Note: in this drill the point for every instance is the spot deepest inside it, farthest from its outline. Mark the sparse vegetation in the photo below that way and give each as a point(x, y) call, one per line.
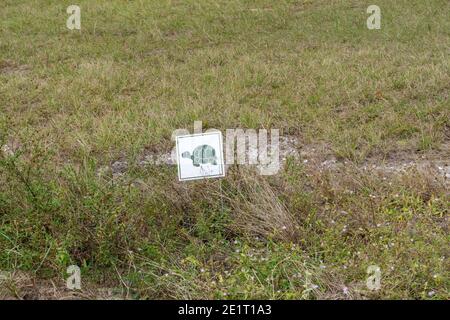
point(75, 102)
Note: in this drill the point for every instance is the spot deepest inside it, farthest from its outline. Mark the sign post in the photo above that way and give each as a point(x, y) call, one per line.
point(200, 156)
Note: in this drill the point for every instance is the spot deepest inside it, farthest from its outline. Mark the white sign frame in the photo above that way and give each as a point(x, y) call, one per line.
point(198, 137)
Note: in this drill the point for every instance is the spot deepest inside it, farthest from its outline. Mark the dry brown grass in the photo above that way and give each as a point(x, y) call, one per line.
point(256, 207)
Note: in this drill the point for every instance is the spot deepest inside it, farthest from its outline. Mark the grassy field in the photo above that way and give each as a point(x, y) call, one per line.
point(73, 102)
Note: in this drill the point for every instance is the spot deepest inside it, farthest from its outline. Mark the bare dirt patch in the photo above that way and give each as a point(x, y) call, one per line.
point(9, 67)
point(321, 157)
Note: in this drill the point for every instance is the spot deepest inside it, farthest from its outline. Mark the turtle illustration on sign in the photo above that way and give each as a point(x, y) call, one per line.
point(201, 155)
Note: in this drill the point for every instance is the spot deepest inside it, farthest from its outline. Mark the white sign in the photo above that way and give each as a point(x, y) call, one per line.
point(200, 156)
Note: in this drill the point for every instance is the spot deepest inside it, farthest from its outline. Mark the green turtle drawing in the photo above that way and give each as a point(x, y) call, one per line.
point(201, 155)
